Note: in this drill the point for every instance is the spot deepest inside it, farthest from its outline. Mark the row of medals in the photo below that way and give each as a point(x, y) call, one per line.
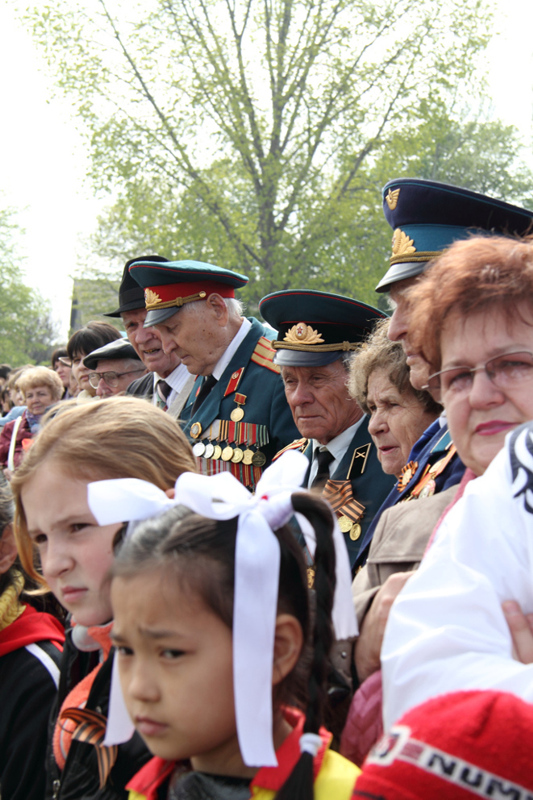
point(234, 454)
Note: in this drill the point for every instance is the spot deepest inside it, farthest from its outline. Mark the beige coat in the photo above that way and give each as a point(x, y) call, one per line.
point(399, 542)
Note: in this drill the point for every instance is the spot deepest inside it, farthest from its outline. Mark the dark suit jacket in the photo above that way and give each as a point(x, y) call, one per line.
point(142, 387)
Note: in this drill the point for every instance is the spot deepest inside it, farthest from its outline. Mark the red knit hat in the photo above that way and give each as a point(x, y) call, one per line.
point(461, 745)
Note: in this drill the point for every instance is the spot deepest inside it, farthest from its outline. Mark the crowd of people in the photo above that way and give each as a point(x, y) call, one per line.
point(283, 559)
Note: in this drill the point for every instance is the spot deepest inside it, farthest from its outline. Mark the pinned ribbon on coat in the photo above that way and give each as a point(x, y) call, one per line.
point(90, 728)
point(257, 559)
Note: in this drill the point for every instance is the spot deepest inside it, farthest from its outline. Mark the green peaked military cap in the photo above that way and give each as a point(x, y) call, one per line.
point(428, 216)
point(168, 287)
point(315, 328)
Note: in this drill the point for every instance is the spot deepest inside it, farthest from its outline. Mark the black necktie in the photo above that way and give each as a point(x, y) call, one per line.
point(163, 390)
point(205, 388)
point(323, 459)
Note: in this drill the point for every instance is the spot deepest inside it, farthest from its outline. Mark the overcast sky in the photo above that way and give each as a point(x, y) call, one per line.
point(42, 158)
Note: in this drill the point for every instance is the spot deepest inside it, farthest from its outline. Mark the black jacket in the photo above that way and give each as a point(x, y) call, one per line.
point(79, 779)
point(27, 692)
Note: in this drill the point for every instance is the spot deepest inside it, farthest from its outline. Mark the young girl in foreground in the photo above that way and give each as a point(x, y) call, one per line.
point(184, 677)
point(121, 437)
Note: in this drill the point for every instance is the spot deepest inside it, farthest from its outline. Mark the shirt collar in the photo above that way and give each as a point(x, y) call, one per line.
point(338, 446)
point(232, 348)
point(177, 378)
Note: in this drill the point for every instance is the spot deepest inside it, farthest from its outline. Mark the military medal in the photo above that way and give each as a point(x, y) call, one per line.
point(247, 457)
point(427, 486)
point(237, 455)
point(259, 459)
point(196, 430)
point(238, 413)
point(428, 489)
point(345, 523)
point(198, 449)
point(227, 453)
point(209, 450)
point(217, 452)
point(355, 532)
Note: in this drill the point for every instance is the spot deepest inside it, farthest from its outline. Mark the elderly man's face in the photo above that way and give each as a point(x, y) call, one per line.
point(127, 370)
point(399, 332)
point(319, 400)
point(147, 343)
point(198, 336)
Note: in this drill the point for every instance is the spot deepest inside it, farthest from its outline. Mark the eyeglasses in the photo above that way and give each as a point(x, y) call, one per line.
point(505, 372)
point(111, 378)
point(65, 361)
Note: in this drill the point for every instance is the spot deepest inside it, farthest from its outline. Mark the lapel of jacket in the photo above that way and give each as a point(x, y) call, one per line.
point(181, 399)
point(355, 459)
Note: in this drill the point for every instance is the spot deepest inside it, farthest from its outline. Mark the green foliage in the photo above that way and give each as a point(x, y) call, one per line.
point(27, 332)
point(257, 135)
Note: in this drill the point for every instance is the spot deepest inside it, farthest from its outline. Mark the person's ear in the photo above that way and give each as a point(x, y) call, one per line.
point(218, 306)
point(8, 549)
point(288, 644)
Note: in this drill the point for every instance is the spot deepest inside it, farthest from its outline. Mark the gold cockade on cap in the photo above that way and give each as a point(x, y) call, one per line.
point(151, 298)
point(301, 333)
point(392, 198)
point(401, 243)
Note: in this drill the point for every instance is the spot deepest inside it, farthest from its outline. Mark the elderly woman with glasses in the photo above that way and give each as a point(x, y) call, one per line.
point(473, 317)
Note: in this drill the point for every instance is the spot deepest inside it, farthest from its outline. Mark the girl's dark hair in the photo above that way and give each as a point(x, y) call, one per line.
point(200, 554)
point(94, 335)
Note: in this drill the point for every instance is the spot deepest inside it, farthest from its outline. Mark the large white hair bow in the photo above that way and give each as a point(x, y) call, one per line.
point(257, 559)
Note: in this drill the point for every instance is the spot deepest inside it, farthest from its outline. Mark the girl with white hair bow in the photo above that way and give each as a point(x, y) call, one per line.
point(212, 621)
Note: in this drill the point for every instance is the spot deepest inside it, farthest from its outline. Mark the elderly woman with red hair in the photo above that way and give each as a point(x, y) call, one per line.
point(473, 318)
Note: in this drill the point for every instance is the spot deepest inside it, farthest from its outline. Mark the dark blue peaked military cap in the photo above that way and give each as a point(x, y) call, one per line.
point(130, 294)
point(315, 328)
point(427, 217)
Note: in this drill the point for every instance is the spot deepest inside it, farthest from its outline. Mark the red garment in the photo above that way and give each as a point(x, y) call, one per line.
point(32, 626)
point(153, 776)
point(24, 433)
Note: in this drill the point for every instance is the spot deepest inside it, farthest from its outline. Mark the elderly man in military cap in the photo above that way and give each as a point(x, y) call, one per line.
point(317, 332)
point(236, 417)
point(113, 367)
point(426, 217)
point(168, 383)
